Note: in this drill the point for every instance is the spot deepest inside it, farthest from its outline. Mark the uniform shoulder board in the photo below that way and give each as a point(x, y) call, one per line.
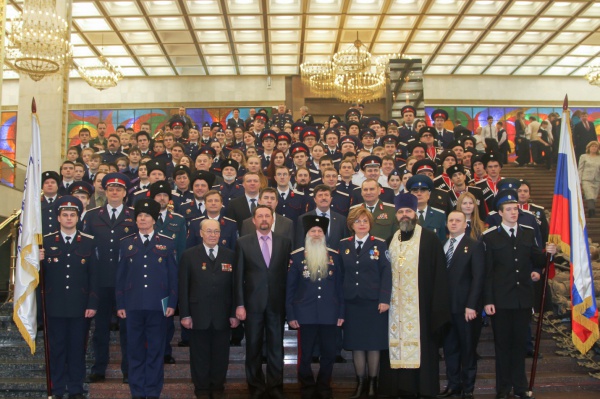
point(198, 218)
point(332, 250)
point(176, 214)
point(93, 209)
point(176, 194)
point(226, 218)
point(342, 193)
point(346, 239)
point(101, 152)
point(296, 251)
point(49, 234)
point(492, 213)
point(539, 207)
point(437, 210)
point(86, 235)
point(140, 191)
point(438, 178)
point(440, 189)
point(388, 204)
point(450, 131)
point(525, 226)
point(354, 206)
point(379, 239)
point(526, 211)
point(475, 188)
point(130, 235)
point(298, 192)
point(357, 188)
point(132, 208)
point(162, 235)
point(493, 228)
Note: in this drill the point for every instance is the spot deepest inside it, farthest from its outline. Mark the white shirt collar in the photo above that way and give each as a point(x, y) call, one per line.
point(507, 228)
point(363, 240)
point(150, 235)
point(215, 249)
point(458, 238)
point(62, 233)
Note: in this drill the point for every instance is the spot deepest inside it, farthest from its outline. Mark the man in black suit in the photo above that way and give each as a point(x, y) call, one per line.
point(206, 308)
point(465, 261)
point(337, 223)
point(236, 121)
point(583, 133)
point(262, 260)
point(241, 208)
point(281, 225)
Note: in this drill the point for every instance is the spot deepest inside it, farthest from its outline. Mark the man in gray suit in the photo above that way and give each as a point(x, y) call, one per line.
point(281, 225)
point(337, 223)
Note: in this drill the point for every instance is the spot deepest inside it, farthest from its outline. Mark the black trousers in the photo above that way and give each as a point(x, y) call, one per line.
point(66, 340)
point(460, 344)
point(511, 330)
point(523, 151)
point(101, 337)
point(209, 358)
point(324, 337)
point(257, 325)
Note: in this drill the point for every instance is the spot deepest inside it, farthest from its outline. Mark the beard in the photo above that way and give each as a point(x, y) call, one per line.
point(315, 254)
point(407, 225)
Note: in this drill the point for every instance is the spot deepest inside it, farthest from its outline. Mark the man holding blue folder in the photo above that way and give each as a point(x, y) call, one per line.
point(146, 296)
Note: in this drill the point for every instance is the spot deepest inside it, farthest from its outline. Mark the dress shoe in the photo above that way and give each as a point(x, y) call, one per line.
point(315, 359)
point(524, 395)
point(183, 344)
point(372, 392)
point(450, 393)
point(125, 378)
point(340, 359)
point(235, 342)
point(92, 378)
point(467, 395)
point(360, 387)
point(169, 359)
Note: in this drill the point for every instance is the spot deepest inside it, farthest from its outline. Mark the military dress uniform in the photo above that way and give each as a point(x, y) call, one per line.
point(190, 210)
point(229, 191)
point(386, 194)
point(98, 223)
point(293, 204)
point(539, 214)
point(70, 279)
point(227, 238)
point(384, 215)
point(147, 274)
point(435, 220)
point(49, 222)
point(489, 190)
point(316, 306)
point(340, 202)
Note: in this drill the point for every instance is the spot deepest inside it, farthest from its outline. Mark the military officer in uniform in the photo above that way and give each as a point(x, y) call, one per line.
point(70, 276)
point(230, 188)
point(439, 198)
point(384, 224)
point(513, 261)
point(181, 181)
point(371, 167)
point(305, 117)
point(315, 304)
point(50, 180)
point(291, 203)
point(459, 186)
point(214, 208)
point(109, 223)
point(428, 217)
point(407, 132)
point(538, 212)
point(201, 183)
point(146, 294)
point(445, 137)
point(493, 166)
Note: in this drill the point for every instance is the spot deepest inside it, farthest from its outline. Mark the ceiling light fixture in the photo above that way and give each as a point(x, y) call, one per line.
point(593, 75)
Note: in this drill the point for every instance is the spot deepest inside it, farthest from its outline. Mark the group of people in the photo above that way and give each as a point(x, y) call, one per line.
point(367, 235)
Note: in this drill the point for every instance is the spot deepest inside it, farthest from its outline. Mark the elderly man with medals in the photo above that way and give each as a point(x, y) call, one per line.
point(419, 307)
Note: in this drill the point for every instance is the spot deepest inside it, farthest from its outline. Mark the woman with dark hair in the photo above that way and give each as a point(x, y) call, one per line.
point(277, 159)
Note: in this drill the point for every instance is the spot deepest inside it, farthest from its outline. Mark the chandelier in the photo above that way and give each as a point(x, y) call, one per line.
point(38, 40)
point(593, 75)
point(101, 77)
point(352, 75)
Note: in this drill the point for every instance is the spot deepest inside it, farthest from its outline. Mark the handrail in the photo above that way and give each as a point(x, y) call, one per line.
point(12, 222)
point(13, 160)
point(10, 219)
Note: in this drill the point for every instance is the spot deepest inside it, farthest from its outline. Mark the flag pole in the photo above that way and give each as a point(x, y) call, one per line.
point(39, 242)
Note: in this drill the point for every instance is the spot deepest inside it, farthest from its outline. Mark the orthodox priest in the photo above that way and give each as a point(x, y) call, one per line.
point(419, 309)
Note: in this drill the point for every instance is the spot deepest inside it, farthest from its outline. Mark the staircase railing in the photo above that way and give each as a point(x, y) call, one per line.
point(9, 230)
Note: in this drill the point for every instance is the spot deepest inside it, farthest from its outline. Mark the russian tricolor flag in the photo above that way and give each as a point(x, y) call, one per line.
point(568, 230)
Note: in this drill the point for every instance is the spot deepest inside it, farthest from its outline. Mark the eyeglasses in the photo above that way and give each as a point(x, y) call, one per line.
point(361, 221)
point(212, 232)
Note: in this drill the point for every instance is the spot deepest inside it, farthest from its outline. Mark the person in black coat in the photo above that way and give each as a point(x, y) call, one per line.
point(260, 275)
point(465, 261)
point(513, 261)
point(240, 209)
point(583, 133)
point(206, 308)
point(69, 264)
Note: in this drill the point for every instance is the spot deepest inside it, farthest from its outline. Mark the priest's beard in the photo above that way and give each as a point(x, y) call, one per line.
point(301, 187)
point(315, 254)
point(407, 224)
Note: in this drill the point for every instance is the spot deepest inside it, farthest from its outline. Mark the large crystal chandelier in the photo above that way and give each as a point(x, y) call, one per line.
point(102, 76)
point(593, 75)
point(38, 40)
point(352, 75)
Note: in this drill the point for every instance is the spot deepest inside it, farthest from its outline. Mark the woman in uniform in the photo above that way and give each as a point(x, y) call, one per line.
point(367, 289)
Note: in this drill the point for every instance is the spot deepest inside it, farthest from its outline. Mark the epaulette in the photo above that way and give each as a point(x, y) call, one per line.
point(492, 213)
point(86, 235)
point(332, 250)
point(101, 152)
point(437, 178)
point(354, 206)
point(357, 188)
point(132, 208)
point(493, 228)
point(49, 234)
point(130, 235)
point(231, 220)
point(438, 210)
point(312, 181)
point(140, 191)
point(527, 227)
point(175, 193)
point(440, 189)
point(346, 239)
point(536, 205)
point(176, 214)
point(162, 235)
point(93, 209)
point(343, 193)
point(296, 251)
point(380, 239)
point(388, 204)
point(526, 211)
point(297, 192)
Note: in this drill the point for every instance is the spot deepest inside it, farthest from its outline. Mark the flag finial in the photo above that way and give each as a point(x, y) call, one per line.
point(566, 102)
point(33, 106)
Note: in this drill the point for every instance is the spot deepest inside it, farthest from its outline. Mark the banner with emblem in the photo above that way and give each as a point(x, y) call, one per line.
point(568, 230)
point(30, 236)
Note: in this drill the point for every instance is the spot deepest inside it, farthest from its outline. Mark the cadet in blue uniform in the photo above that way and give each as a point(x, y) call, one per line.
point(182, 192)
point(109, 223)
point(513, 261)
point(146, 295)
point(230, 188)
point(201, 183)
point(430, 218)
point(367, 288)
point(171, 225)
point(315, 304)
point(50, 180)
point(70, 263)
point(83, 191)
point(214, 209)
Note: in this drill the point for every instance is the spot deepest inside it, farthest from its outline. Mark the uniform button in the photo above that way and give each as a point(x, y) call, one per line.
point(145, 256)
point(111, 240)
point(68, 254)
point(67, 276)
point(111, 250)
point(356, 272)
point(110, 260)
point(68, 266)
point(112, 231)
point(319, 287)
point(357, 262)
point(49, 225)
point(145, 266)
point(67, 287)
point(518, 283)
point(145, 276)
point(516, 260)
point(517, 271)
point(515, 247)
point(319, 279)
point(50, 210)
point(319, 297)
point(145, 286)
point(356, 283)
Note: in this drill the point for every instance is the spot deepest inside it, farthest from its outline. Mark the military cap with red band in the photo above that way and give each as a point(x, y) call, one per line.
point(284, 136)
point(298, 147)
point(268, 134)
point(408, 108)
point(439, 113)
point(309, 131)
point(261, 116)
point(68, 202)
point(115, 178)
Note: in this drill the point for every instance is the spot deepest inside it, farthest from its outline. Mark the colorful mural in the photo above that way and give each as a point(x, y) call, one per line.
point(8, 137)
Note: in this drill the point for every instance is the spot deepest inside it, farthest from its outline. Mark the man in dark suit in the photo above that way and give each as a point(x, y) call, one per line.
point(465, 264)
point(428, 217)
point(262, 260)
point(236, 121)
point(206, 308)
point(113, 149)
point(281, 225)
point(337, 223)
point(583, 133)
point(241, 208)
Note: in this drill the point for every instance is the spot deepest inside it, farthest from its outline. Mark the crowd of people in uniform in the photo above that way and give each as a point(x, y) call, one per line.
point(388, 239)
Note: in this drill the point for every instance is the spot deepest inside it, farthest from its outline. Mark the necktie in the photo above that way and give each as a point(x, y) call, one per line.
point(268, 158)
point(113, 218)
point(160, 219)
point(92, 177)
point(371, 208)
point(421, 217)
point(359, 247)
point(147, 241)
point(68, 239)
point(67, 185)
point(200, 207)
point(211, 254)
point(324, 214)
point(253, 205)
point(512, 233)
point(450, 252)
point(283, 196)
point(50, 200)
point(264, 247)
point(144, 187)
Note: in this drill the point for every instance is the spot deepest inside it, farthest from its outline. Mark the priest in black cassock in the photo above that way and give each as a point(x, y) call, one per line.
point(419, 309)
